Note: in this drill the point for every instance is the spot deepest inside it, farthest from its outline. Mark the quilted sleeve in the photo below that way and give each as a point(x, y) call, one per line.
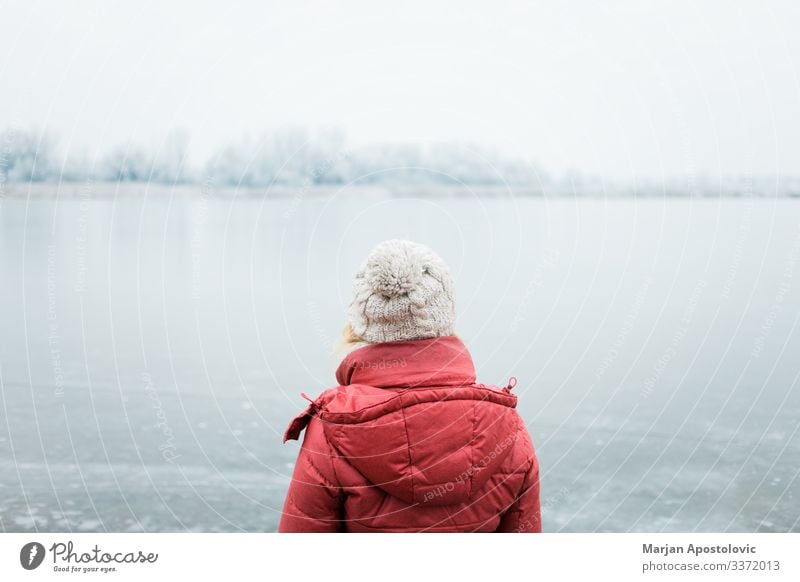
point(524, 515)
point(314, 501)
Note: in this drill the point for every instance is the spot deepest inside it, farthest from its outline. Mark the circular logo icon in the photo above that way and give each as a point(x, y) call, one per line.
point(31, 555)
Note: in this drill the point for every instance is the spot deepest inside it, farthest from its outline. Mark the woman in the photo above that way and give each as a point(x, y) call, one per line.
point(408, 442)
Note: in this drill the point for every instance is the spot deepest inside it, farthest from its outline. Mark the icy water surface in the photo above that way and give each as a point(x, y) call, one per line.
point(153, 350)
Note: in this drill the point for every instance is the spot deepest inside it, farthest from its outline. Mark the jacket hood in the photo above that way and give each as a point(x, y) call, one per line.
point(410, 418)
point(442, 361)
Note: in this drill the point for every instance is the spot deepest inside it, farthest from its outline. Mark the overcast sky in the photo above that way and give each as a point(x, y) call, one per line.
point(627, 92)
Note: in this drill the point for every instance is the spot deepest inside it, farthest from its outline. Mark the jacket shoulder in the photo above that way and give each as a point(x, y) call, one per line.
point(523, 454)
point(300, 422)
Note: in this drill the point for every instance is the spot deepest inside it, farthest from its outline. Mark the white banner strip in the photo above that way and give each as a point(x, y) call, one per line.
point(353, 557)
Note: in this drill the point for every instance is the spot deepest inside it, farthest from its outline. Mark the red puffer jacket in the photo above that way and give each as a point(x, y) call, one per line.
point(408, 442)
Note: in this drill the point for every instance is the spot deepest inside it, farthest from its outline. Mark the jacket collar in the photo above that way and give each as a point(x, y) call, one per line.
point(441, 361)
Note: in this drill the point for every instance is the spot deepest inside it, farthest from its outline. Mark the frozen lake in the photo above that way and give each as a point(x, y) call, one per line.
point(153, 350)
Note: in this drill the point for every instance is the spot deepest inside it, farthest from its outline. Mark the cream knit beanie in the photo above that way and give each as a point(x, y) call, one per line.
point(403, 291)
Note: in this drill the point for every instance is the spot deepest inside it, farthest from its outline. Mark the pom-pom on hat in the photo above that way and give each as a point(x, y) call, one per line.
point(403, 291)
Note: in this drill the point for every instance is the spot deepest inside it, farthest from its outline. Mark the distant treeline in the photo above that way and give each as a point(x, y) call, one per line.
point(298, 158)
point(287, 157)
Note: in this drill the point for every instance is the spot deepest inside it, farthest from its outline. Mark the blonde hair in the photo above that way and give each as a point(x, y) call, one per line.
point(349, 339)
